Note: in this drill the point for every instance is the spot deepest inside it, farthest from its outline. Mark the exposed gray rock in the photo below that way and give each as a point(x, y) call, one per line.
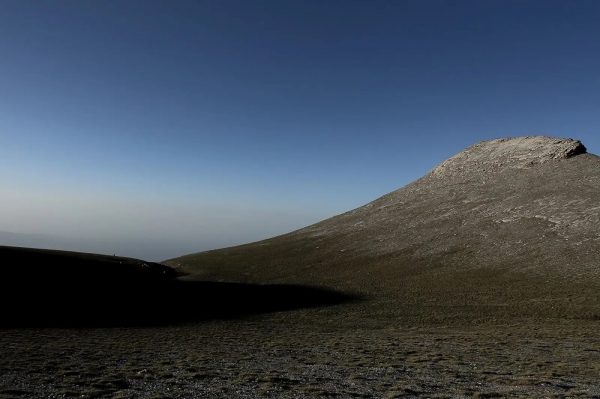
point(517, 153)
point(500, 200)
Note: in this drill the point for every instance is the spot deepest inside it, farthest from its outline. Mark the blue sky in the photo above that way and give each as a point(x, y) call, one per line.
point(156, 128)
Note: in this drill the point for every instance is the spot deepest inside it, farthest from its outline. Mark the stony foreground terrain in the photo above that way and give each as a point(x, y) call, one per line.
point(304, 354)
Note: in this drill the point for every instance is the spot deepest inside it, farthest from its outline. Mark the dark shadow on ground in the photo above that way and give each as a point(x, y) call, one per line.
point(40, 288)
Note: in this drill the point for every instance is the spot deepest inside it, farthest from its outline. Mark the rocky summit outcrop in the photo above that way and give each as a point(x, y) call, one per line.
point(505, 222)
point(516, 153)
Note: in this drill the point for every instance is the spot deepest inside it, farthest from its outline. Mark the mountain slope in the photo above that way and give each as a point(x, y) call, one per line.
point(507, 227)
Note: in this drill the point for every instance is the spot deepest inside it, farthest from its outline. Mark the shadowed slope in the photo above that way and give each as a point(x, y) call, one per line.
point(507, 227)
point(56, 288)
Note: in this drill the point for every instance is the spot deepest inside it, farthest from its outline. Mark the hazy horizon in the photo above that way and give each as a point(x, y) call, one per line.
point(153, 129)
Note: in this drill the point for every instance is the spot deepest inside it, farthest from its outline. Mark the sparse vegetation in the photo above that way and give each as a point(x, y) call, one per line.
point(305, 353)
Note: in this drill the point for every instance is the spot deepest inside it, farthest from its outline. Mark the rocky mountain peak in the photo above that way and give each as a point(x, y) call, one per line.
point(515, 153)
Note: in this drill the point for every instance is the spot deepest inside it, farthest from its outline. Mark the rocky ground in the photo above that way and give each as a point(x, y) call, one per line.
point(304, 354)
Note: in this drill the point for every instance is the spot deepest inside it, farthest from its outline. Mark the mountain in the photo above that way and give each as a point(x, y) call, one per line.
point(505, 228)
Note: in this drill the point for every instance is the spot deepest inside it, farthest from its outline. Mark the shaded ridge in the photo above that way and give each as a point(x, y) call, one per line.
point(44, 288)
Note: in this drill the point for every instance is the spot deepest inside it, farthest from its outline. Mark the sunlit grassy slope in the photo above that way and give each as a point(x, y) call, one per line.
point(507, 228)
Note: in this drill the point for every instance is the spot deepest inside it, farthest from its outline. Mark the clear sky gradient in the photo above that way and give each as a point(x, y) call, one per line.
point(157, 128)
